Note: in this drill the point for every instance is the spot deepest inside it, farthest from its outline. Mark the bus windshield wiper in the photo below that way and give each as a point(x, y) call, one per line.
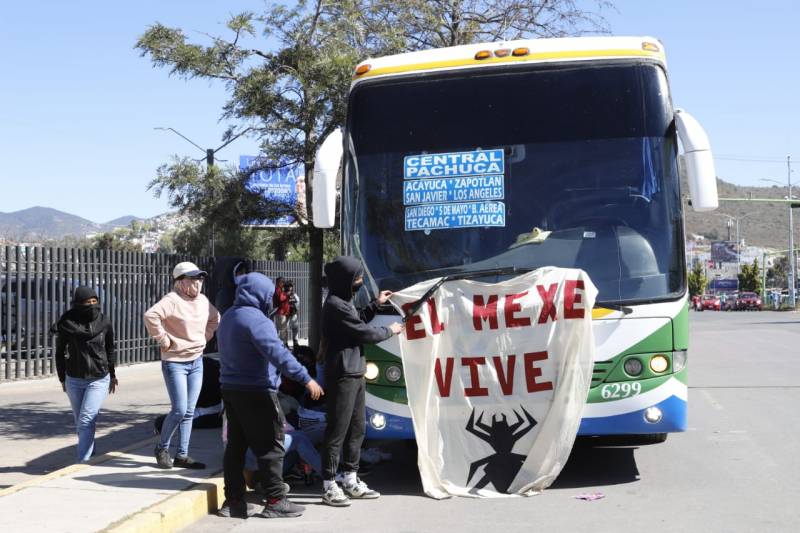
point(501, 271)
point(614, 307)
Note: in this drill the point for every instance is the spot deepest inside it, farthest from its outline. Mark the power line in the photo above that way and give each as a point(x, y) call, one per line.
point(750, 159)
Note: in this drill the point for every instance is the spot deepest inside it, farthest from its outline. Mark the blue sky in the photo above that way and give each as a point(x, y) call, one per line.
point(78, 104)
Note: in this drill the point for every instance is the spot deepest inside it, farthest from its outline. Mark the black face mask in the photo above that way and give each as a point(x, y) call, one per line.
point(87, 313)
point(357, 286)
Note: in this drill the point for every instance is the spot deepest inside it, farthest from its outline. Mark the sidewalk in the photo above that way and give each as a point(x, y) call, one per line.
point(42, 490)
point(37, 433)
point(119, 494)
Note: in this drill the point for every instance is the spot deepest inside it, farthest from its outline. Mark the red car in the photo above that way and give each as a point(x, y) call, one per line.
point(709, 302)
point(747, 301)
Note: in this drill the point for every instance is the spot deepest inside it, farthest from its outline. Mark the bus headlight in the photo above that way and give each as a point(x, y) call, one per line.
point(633, 367)
point(372, 371)
point(659, 363)
point(653, 415)
point(377, 420)
point(679, 360)
point(393, 373)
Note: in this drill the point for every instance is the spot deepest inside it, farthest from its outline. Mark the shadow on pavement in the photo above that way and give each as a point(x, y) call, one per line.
point(598, 462)
point(593, 462)
point(168, 480)
point(22, 422)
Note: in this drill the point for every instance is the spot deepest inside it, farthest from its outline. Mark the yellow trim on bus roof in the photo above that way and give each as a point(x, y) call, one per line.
point(536, 56)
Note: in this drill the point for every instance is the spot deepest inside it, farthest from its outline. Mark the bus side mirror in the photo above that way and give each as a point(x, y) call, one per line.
point(326, 168)
point(699, 162)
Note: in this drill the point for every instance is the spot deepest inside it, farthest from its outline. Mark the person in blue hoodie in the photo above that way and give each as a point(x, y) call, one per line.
point(252, 360)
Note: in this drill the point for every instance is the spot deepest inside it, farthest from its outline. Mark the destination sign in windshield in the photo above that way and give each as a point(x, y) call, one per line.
point(454, 190)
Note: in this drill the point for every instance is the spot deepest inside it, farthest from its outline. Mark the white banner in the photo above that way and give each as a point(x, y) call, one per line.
point(497, 378)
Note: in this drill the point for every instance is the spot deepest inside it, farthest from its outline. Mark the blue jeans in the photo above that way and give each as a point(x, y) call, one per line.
point(184, 381)
point(86, 396)
point(294, 441)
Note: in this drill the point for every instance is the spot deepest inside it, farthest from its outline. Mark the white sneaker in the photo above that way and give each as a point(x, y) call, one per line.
point(335, 497)
point(360, 491)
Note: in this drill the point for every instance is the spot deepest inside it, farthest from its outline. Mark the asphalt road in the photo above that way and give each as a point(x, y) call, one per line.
point(735, 469)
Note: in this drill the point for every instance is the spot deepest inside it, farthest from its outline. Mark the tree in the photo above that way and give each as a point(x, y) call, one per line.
point(778, 273)
point(423, 24)
point(294, 93)
point(750, 277)
point(697, 280)
point(115, 241)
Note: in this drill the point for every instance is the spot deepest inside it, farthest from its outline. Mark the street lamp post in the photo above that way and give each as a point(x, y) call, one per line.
point(792, 264)
point(209, 159)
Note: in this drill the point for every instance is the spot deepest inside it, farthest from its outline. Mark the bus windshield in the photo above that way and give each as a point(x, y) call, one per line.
point(588, 179)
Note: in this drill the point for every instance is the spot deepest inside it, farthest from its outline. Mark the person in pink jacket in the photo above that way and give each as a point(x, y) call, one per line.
point(181, 323)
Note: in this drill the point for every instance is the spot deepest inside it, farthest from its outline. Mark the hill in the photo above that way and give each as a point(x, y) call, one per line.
point(38, 223)
point(43, 223)
point(760, 224)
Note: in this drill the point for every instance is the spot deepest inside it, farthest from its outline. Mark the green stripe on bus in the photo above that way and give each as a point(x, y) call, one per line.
point(390, 394)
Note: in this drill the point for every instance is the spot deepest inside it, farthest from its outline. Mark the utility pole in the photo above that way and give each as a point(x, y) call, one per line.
point(210, 152)
point(792, 269)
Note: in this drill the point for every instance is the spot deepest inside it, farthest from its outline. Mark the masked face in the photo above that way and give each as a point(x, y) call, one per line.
point(88, 312)
point(189, 287)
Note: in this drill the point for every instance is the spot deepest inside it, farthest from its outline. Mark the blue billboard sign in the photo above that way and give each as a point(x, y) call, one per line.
point(275, 184)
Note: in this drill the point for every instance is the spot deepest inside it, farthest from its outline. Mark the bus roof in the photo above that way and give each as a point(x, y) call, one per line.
point(519, 51)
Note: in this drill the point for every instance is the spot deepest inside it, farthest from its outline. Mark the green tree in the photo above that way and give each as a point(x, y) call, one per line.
point(778, 273)
point(293, 93)
point(424, 24)
point(697, 280)
point(115, 241)
point(750, 277)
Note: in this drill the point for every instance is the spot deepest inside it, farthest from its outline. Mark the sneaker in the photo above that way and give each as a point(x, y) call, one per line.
point(335, 497)
point(282, 508)
point(162, 457)
point(188, 462)
point(360, 491)
point(236, 509)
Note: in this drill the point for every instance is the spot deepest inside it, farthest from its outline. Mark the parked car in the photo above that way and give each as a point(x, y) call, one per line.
point(709, 302)
point(748, 301)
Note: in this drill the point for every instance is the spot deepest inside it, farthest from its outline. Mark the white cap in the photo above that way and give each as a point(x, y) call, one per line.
point(187, 268)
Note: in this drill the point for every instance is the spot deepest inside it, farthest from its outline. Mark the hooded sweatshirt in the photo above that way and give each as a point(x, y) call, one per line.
point(85, 343)
point(252, 357)
point(181, 325)
point(224, 281)
point(344, 328)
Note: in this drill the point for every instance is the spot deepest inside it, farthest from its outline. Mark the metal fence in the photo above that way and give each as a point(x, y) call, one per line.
point(36, 286)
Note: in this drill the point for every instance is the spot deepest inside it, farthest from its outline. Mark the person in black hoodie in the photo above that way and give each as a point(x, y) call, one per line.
point(85, 363)
point(344, 330)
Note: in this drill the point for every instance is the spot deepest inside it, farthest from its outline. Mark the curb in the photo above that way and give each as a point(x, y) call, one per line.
point(176, 512)
point(74, 468)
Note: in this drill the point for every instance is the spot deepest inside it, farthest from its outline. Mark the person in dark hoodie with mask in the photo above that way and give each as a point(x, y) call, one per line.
point(344, 331)
point(252, 360)
point(85, 363)
point(227, 272)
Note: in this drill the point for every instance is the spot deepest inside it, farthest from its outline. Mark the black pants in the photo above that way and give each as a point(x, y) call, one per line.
point(346, 424)
point(255, 421)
